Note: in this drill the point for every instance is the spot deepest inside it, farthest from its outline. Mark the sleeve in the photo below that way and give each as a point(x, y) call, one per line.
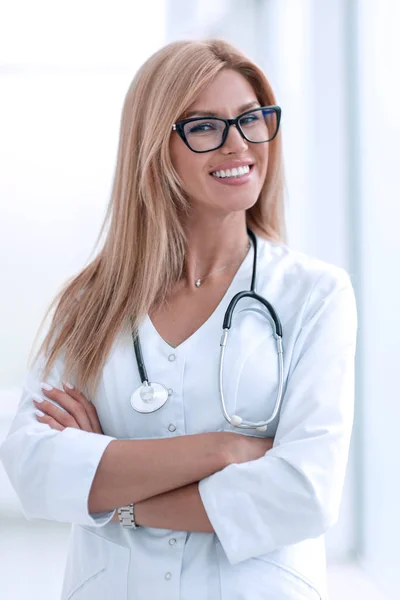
point(52, 471)
point(294, 491)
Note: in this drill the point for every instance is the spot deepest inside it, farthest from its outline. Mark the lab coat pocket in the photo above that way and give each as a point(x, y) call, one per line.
point(288, 581)
point(260, 579)
point(96, 568)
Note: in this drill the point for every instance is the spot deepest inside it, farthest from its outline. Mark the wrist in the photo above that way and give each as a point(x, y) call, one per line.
point(127, 516)
point(139, 516)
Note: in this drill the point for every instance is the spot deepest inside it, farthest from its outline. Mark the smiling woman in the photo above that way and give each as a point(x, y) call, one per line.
point(164, 462)
point(239, 133)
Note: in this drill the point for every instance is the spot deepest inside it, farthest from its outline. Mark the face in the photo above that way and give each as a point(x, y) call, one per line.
point(229, 95)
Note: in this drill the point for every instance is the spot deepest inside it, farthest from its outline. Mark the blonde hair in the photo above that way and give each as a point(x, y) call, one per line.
point(144, 248)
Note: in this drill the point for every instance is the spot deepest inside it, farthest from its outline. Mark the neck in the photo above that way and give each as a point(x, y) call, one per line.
point(215, 247)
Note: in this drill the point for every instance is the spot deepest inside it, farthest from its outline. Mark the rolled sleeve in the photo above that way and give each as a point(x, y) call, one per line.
point(293, 492)
point(52, 471)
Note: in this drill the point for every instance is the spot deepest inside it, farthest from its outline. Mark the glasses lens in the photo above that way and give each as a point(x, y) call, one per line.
point(260, 125)
point(204, 134)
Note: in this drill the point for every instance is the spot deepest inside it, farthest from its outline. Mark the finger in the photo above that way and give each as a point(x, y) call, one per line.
point(59, 415)
point(50, 421)
point(89, 407)
point(72, 406)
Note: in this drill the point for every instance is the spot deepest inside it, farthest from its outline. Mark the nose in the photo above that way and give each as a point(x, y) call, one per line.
point(234, 142)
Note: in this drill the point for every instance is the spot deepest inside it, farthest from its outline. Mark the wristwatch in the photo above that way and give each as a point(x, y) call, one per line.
point(126, 517)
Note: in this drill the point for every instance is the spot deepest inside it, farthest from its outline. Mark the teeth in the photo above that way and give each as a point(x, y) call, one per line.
point(235, 172)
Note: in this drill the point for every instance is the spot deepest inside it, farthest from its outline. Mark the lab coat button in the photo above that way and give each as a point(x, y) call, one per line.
point(168, 575)
point(171, 357)
point(172, 542)
point(171, 427)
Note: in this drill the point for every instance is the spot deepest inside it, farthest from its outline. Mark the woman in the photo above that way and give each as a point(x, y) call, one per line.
point(207, 509)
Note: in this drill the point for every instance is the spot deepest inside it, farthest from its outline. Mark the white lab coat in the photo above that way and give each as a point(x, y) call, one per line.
point(269, 514)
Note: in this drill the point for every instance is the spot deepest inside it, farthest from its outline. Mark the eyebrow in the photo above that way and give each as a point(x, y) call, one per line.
point(210, 113)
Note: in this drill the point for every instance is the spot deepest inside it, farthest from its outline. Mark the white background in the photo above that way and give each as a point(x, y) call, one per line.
point(64, 72)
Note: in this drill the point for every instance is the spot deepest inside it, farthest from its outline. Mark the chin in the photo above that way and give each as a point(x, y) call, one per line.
point(241, 205)
point(233, 200)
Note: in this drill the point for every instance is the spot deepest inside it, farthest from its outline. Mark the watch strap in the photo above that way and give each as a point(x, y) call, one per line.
point(126, 515)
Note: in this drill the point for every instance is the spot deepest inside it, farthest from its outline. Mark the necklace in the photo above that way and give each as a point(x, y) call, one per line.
point(198, 282)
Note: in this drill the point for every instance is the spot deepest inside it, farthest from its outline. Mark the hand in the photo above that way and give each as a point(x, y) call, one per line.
point(80, 414)
point(243, 448)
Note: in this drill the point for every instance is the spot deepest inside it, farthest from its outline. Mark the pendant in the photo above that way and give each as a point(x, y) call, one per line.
point(149, 397)
point(198, 283)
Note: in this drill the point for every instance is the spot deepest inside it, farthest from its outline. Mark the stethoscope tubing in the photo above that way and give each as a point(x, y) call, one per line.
point(235, 420)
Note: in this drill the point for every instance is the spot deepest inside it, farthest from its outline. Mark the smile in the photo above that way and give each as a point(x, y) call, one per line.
point(236, 172)
point(236, 176)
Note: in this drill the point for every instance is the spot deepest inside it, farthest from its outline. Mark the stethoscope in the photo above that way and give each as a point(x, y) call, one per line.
point(150, 397)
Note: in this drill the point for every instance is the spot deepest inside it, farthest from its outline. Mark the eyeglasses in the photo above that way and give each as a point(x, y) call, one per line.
point(203, 134)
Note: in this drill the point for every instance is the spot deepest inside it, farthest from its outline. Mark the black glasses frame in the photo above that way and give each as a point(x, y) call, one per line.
point(179, 126)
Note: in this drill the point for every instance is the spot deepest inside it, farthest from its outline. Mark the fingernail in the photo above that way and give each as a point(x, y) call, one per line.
point(68, 385)
point(37, 398)
point(46, 386)
point(39, 413)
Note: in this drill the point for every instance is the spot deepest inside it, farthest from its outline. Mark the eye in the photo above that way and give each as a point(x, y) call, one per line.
point(202, 127)
point(249, 119)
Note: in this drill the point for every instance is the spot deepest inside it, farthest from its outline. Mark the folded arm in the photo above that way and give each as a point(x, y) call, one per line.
point(77, 476)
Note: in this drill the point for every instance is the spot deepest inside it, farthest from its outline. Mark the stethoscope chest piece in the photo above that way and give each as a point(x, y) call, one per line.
point(149, 397)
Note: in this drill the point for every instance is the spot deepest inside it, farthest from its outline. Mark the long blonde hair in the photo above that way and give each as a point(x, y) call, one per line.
point(142, 256)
